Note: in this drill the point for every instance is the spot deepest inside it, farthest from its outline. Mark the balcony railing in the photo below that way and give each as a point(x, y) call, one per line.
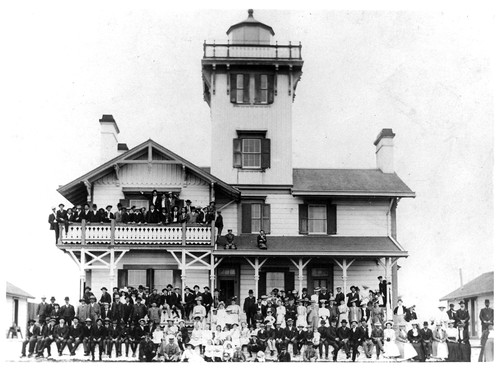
point(252, 51)
point(130, 234)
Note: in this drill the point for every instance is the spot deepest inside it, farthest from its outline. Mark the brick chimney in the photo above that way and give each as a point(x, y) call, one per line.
point(109, 138)
point(384, 150)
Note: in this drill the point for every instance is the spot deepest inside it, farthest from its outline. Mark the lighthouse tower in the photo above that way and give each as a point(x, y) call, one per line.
point(249, 84)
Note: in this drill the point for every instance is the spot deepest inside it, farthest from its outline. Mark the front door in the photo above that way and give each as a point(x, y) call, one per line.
point(227, 282)
point(227, 289)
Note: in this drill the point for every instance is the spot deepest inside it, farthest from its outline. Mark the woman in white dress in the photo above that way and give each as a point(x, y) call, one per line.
point(343, 312)
point(233, 312)
point(190, 355)
point(439, 346)
point(390, 348)
point(197, 337)
point(218, 339)
point(235, 334)
point(301, 313)
point(269, 318)
point(406, 350)
point(324, 313)
point(280, 314)
point(244, 335)
point(221, 316)
point(199, 311)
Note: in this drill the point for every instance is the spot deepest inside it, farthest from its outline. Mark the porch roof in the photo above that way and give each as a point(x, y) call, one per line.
point(314, 246)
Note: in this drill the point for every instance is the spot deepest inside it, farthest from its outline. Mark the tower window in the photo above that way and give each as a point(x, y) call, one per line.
point(251, 150)
point(252, 88)
point(251, 153)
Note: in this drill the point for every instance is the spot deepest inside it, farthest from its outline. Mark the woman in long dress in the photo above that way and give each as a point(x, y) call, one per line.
point(197, 337)
point(280, 314)
point(377, 314)
point(233, 312)
point(451, 340)
point(488, 352)
point(301, 313)
point(439, 346)
point(415, 338)
point(390, 348)
point(199, 311)
point(324, 313)
point(244, 335)
point(343, 312)
point(221, 316)
point(406, 350)
point(313, 315)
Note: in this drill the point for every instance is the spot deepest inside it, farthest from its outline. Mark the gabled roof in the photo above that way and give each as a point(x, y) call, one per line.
point(76, 191)
point(16, 291)
point(348, 182)
point(315, 246)
point(479, 286)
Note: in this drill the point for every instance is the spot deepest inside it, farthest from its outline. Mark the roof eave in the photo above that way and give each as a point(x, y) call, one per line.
point(352, 193)
point(285, 253)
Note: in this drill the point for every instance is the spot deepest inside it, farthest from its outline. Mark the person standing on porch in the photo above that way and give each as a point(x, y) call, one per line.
point(486, 315)
point(399, 313)
point(54, 226)
point(250, 308)
point(219, 223)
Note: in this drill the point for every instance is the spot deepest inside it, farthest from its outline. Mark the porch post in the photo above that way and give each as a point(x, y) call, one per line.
point(82, 272)
point(256, 276)
point(388, 277)
point(111, 267)
point(212, 273)
point(344, 275)
point(183, 273)
point(112, 235)
point(300, 267)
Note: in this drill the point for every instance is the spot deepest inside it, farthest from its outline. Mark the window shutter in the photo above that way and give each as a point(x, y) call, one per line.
point(122, 278)
point(265, 153)
point(289, 281)
point(237, 153)
point(125, 203)
point(331, 219)
point(258, 99)
point(246, 218)
point(270, 88)
point(233, 88)
point(303, 218)
point(246, 88)
point(266, 218)
point(262, 284)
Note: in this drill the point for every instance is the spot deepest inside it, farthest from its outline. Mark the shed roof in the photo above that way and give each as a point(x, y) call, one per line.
point(315, 246)
point(16, 291)
point(348, 182)
point(479, 286)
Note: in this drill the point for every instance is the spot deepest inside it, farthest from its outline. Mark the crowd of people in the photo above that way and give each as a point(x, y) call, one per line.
point(199, 326)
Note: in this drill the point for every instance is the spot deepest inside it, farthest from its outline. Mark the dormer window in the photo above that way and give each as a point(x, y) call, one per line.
point(252, 88)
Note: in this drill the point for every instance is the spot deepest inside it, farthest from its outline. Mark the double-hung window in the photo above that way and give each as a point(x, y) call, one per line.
point(317, 218)
point(251, 150)
point(256, 216)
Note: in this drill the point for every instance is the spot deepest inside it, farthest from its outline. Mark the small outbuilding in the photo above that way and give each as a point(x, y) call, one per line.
point(17, 307)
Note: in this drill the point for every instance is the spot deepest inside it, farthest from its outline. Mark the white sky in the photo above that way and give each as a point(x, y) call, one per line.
point(427, 75)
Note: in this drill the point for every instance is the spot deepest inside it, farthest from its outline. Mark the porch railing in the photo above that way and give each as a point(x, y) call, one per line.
point(252, 51)
point(130, 234)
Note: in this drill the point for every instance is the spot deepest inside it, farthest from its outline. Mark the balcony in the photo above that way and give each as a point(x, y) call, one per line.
point(118, 234)
point(251, 51)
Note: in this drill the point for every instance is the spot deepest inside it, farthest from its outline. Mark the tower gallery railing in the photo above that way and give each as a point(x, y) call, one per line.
point(252, 51)
point(131, 234)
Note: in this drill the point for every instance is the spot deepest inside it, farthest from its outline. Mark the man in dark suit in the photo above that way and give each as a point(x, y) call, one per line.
point(114, 335)
point(116, 308)
point(139, 310)
point(61, 215)
point(67, 311)
point(462, 316)
point(75, 336)
point(152, 216)
point(189, 301)
point(86, 212)
point(324, 294)
point(250, 308)
point(155, 201)
point(344, 335)
point(106, 311)
point(357, 334)
point(77, 215)
point(177, 302)
point(105, 297)
point(97, 337)
point(339, 296)
point(353, 296)
point(206, 299)
point(382, 289)
point(426, 334)
point(43, 310)
point(61, 334)
point(32, 334)
point(54, 225)
point(451, 312)
point(94, 215)
point(486, 315)
point(87, 336)
point(365, 313)
point(108, 215)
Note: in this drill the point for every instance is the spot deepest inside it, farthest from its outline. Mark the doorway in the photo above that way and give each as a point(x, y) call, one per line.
point(227, 283)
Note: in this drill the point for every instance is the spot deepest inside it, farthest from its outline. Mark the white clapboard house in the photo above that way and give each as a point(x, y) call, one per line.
point(326, 227)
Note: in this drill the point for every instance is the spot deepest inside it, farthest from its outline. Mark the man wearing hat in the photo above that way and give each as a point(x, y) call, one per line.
point(108, 215)
point(353, 296)
point(75, 336)
point(67, 311)
point(250, 308)
point(188, 302)
point(117, 309)
point(97, 336)
point(426, 334)
point(451, 312)
point(87, 336)
point(42, 310)
point(55, 311)
point(344, 335)
point(169, 351)
point(356, 339)
point(147, 349)
point(87, 294)
point(339, 296)
point(462, 316)
point(82, 311)
point(464, 348)
point(324, 294)
point(54, 226)
point(48, 336)
point(378, 338)
point(94, 309)
point(32, 334)
point(114, 337)
point(290, 334)
point(139, 310)
point(207, 299)
point(105, 296)
point(382, 289)
point(486, 315)
point(61, 335)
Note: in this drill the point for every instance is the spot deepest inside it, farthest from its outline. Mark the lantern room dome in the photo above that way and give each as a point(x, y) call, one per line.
point(250, 31)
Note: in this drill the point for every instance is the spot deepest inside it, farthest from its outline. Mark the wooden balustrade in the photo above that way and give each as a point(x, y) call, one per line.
point(131, 234)
point(253, 51)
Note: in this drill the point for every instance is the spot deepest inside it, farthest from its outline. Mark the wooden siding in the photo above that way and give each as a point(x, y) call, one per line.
point(230, 218)
point(360, 273)
point(107, 194)
point(362, 219)
point(100, 278)
point(284, 215)
point(247, 281)
point(276, 118)
point(199, 277)
point(148, 260)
